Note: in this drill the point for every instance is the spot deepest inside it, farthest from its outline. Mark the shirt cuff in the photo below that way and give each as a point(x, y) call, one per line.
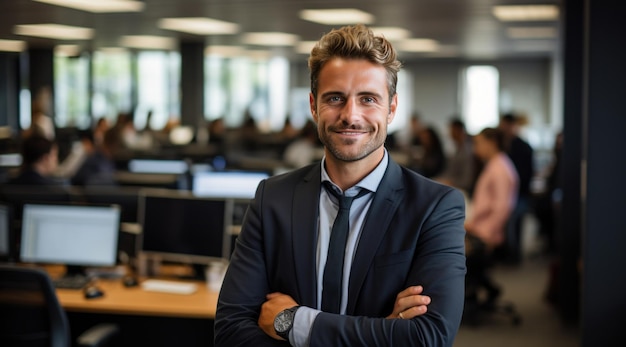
point(299, 336)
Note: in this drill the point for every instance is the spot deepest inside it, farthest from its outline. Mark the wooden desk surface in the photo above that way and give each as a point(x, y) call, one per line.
point(118, 299)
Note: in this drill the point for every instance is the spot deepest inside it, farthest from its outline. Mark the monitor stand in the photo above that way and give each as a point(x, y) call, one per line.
point(75, 277)
point(198, 273)
point(75, 271)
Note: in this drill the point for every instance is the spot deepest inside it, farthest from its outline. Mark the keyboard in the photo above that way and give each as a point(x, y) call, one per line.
point(73, 282)
point(169, 287)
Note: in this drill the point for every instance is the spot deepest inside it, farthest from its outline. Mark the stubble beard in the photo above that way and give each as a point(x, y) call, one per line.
point(347, 156)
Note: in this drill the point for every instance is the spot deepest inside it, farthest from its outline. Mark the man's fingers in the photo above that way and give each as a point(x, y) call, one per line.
point(410, 303)
point(413, 312)
point(272, 295)
point(415, 290)
point(413, 300)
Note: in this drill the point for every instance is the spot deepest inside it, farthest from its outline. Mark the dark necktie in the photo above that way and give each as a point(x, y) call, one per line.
point(333, 271)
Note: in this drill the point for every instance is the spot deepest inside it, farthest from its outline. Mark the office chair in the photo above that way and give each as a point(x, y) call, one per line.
point(481, 293)
point(31, 315)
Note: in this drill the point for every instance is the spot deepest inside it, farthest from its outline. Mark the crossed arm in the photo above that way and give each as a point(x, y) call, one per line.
point(409, 304)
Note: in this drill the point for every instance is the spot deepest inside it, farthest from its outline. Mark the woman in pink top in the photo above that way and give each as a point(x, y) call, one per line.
point(495, 192)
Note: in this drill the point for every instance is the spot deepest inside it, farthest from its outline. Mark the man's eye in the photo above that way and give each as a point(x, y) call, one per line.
point(368, 99)
point(334, 99)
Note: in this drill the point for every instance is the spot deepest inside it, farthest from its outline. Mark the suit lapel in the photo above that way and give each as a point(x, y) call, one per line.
point(385, 203)
point(305, 213)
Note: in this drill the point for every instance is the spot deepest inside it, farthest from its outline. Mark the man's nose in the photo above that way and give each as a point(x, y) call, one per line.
point(350, 111)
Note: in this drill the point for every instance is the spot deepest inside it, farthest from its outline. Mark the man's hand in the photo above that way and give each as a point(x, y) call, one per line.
point(275, 303)
point(410, 303)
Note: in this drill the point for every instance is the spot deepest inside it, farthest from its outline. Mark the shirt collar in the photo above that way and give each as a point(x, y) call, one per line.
point(369, 182)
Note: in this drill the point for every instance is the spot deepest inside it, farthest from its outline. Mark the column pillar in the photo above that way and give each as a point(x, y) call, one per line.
point(192, 83)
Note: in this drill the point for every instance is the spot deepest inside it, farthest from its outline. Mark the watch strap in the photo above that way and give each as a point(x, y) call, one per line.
point(292, 314)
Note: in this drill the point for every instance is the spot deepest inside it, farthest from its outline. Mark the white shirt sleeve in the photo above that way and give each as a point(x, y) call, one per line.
point(300, 334)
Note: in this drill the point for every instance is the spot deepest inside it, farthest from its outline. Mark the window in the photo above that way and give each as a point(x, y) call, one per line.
point(215, 96)
point(480, 97)
point(111, 84)
point(71, 79)
point(405, 104)
point(158, 78)
point(237, 87)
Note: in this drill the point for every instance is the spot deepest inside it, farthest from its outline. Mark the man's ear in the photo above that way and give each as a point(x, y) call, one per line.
point(393, 105)
point(313, 107)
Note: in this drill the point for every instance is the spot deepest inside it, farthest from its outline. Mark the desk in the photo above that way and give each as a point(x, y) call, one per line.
point(145, 318)
point(121, 300)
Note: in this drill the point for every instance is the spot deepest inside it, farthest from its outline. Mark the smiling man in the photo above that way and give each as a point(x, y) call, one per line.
point(355, 250)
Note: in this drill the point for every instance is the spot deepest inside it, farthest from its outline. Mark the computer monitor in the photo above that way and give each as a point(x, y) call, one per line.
point(78, 236)
point(6, 232)
point(227, 184)
point(158, 166)
point(10, 160)
point(179, 227)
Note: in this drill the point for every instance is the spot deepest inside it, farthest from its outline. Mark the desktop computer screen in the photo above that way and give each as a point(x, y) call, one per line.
point(183, 228)
point(5, 231)
point(74, 235)
point(227, 184)
point(157, 166)
point(10, 160)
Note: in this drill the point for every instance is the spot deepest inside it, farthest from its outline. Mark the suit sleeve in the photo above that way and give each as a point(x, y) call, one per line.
point(239, 304)
point(439, 265)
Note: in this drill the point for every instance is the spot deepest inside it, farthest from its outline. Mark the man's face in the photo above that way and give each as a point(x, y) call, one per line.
point(482, 147)
point(352, 109)
point(52, 160)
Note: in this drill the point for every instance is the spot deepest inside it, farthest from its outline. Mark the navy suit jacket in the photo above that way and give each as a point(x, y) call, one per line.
point(413, 235)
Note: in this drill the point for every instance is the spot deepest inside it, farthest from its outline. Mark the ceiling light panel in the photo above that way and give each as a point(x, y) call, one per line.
point(99, 6)
point(337, 16)
point(12, 46)
point(531, 32)
point(270, 39)
point(54, 31)
point(199, 26)
point(224, 51)
point(67, 50)
point(418, 45)
point(305, 47)
point(392, 33)
point(521, 13)
point(148, 42)
point(535, 46)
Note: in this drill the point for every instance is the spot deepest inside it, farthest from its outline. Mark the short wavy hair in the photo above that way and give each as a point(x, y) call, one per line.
point(354, 42)
point(494, 135)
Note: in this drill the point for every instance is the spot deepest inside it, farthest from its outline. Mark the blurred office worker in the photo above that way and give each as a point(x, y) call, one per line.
point(460, 169)
point(39, 161)
point(99, 167)
point(389, 269)
point(521, 154)
point(495, 192)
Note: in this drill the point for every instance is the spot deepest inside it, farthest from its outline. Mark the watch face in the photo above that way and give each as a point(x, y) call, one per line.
point(282, 322)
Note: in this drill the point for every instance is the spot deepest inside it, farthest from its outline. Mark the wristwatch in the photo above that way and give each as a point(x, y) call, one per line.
point(284, 322)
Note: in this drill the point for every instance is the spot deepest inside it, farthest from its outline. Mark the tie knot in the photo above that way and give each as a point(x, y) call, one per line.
point(344, 201)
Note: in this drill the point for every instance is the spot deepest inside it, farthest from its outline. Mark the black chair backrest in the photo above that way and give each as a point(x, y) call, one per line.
point(30, 313)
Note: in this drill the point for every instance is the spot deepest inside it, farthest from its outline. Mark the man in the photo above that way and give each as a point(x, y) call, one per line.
point(99, 167)
point(492, 203)
point(404, 265)
point(460, 171)
point(496, 190)
point(39, 161)
point(521, 154)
